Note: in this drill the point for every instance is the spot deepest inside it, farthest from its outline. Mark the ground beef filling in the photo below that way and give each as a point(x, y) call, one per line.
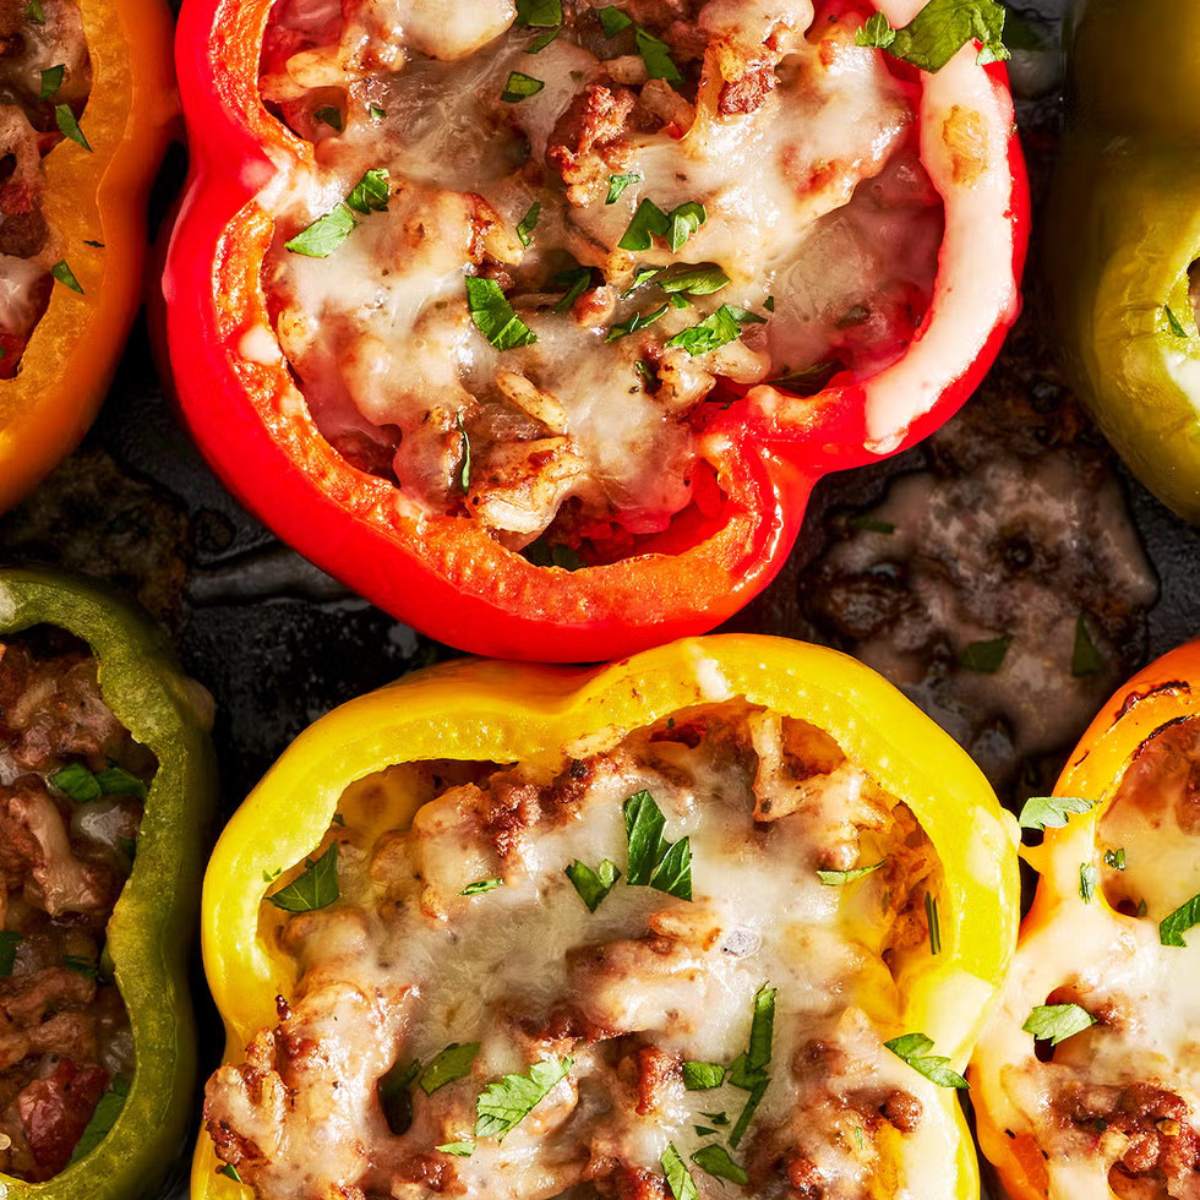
point(460, 927)
point(64, 1033)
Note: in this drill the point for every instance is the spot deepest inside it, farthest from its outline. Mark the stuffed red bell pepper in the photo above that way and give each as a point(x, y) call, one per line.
point(536, 322)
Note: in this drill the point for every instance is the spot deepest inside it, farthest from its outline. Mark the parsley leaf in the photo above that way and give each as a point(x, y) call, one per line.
point(748, 1070)
point(913, 1048)
point(541, 14)
point(653, 862)
point(933, 923)
point(1057, 1022)
point(937, 33)
point(506, 1102)
point(684, 220)
point(68, 126)
point(841, 878)
point(1115, 858)
point(622, 329)
point(1173, 926)
point(1173, 322)
point(717, 1118)
point(230, 1172)
point(1051, 812)
point(762, 1028)
point(324, 235)
point(464, 475)
point(494, 317)
point(679, 1178)
point(716, 1161)
point(716, 330)
point(480, 886)
point(520, 86)
point(701, 1076)
point(81, 966)
point(593, 886)
point(316, 887)
point(528, 223)
point(330, 115)
point(649, 221)
point(35, 12)
point(370, 193)
point(63, 273)
point(104, 1117)
point(9, 942)
point(1085, 658)
point(52, 78)
point(984, 657)
point(576, 282)
point(700, 280)
point(617, 185)
point(876, 32)
point(613, 20)
point(1087, 882)
point(657, 57)
point(458, 1149)
point(77, 782)
point(447, 1065)
point(757, 1092)
point(539, 43)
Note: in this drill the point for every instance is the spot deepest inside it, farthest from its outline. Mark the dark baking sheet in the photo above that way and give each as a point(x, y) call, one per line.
point(278, 643)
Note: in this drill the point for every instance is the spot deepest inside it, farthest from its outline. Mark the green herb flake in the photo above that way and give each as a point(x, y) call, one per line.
point(986, 657)
point(324, 235)
point(1054, 1023)
point(679, 1178)
point(1051, 812)
point(464, 474)
point(641, 277)
point(52, 78)
point(717, 1118)
point(914, 1048)
point(520, 86)
point(747, 1114)
point(684, 220)
point(494, 317)
point(330, 115)
point(370, 194)
point(769, 304)
point(115, 781)
point(716, 1161)
point(876, 32)
point(1172, 927)
point(9, 942)
point(376, 113)
point(454, 1062)
point(539, 43)
point(934, 923)
point(716, 330)
point(613, 20)
point(701, 1076)
point(762, 1028)
point(937, 33)
point(702, 280)
point(1088, 875)
point(1174, 323)
point(230, 1172)
point(1115, 858)
point(507, 1101)
point(81, 966)
point(841, 878)
point(1085, 658)
point(104, 1117)
point(540, 14)
point(63, 273)
point(1142, 909)
point(457, 1149)
point(654, 862)
point(617, 185)
point(314, 888)
point(68, 126)
point(77, 783)
point(528, 223)
point(576, 280)
point(622, 329)
point(480, 886)
point(704, 1131)
point(871, 525)
point(35, 12)
point(648, 222)
point(657, 57)
point(593, 886)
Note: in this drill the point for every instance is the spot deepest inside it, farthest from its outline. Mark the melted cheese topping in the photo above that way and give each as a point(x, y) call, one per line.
point(797, 143)
point(1117, 1109)
point(405, 964)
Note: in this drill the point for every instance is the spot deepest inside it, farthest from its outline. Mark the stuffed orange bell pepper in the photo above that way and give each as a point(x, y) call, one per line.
point(730, 911)
point(1087, 1081)
point(89, 101)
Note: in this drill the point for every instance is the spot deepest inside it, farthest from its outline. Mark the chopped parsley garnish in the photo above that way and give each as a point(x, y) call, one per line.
point(679, 1178)
point(757, 1092)
point(716, 330)
point(717, 1118)
point(641, 277)
point(702, 280)
point(377, 113)
point(480, 886)
point(464, 443)
point(394, 1096)
point(330, 115)
point(370, 194)
point(541, 14)
point(9, 942)
point(539, 43)
point(684, 221)
point(507, 1101)
point(1172, 927)
point(494, 317)
point(1085, 658)
point(937, 33)
point(63, 273)
point(653, 861)
point(77, 782)
point(81, 966)
point(1087, 882)
point(617, 185)
point(457, 1149)
point(934, 922)
point(230, 1172)
point(657, 57)
point(749, 1070)
point(528, 223)
point(613, 20)
point(520, 86)
point(52, 78)
point(871, 525)
point(985, 658)
point(769, 304)
point(104, 1117)
point(593, 886)
point(716, 1161)
point(1173, 322)
point(762, 1029)
point(704, 1131)
point(576, 281)
point(1051, 812)
point(638, 321)
point(35, 12)
point(1055, 1023)
point(914, 1048)
point(1115, 858)
point(315, 887)
point(324, 235)
point(68, 126)
point(448, 1065)
point(841, 878)
point(648, 222)
point(701, 1076)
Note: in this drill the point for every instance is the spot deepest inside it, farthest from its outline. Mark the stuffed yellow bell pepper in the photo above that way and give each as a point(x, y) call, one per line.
point(1087, 1081)
point(730, 911)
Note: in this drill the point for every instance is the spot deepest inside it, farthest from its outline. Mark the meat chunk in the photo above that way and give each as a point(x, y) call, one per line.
point(589, 139)
point(54, 1112)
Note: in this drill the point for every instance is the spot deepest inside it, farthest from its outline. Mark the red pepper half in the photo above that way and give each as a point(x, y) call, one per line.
point(759, 456)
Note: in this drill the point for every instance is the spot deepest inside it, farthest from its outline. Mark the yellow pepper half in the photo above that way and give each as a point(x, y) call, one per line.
point(504, 712)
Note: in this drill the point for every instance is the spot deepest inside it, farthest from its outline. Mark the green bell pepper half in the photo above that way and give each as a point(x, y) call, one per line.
point(151, 926)
point(1123, 229)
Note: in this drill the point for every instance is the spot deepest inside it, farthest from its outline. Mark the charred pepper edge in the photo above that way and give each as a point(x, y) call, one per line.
point(151, 925)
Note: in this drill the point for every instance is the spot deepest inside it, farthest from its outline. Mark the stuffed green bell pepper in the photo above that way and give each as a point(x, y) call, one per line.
point(106, 789)
point(1123, 237)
